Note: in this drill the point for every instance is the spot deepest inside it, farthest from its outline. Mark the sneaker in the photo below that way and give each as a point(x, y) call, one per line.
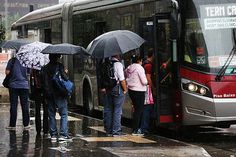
point(11, 128)
point(46, 136)
point(65, 138)
point(118, 134)
point(138, 133)
point(53, 138)
point(27, 127)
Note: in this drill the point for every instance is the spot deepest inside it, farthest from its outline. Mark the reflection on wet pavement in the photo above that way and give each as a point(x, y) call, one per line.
point(89, 139)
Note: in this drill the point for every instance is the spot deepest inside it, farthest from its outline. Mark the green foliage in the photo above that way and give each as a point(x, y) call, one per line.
point(2, 33)
point(10, 20)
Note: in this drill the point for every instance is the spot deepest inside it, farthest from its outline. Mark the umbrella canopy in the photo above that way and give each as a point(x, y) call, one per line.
point(30, 55)
point(113, 43)
point(14, 44)
point(1, 43)
point(64, 49)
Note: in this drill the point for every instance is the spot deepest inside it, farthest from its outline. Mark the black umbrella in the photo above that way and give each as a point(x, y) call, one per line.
point(113, 43)
point(64, 49)
point(14, 44)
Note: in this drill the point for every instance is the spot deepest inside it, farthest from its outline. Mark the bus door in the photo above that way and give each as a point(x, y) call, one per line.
point(163, 68)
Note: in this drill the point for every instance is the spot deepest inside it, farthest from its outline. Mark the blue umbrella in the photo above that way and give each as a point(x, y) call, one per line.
point(14, 44)
point(113, 43)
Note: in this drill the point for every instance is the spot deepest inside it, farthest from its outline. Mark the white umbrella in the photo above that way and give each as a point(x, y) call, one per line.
point(30, 55)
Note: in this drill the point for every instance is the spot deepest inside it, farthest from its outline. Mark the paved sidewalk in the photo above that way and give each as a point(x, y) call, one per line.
point(89, 139)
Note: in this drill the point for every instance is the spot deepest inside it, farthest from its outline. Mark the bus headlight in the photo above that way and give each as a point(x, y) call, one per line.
point(202, 91)
point(192, 87)
point(196, 88)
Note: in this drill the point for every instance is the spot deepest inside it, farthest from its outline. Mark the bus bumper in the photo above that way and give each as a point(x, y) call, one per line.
point(199, 110)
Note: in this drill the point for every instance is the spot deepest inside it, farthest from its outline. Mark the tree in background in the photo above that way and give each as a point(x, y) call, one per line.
point(8, 21)
point(2, 33)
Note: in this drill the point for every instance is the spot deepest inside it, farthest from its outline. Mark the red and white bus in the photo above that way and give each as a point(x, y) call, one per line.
point(196, 38)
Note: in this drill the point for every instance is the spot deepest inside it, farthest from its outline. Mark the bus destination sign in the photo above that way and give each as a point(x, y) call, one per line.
point(218, 16)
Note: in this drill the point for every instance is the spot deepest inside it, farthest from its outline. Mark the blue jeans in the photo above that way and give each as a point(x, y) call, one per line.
point(61, 104)
point(145, 122)
point(113, 110)
point(14, 93)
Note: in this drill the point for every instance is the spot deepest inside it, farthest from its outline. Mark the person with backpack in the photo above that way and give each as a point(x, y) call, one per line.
point(56, 99)
point(113, 85)
point(37, 94)
point(18, 88)
point(137, 86)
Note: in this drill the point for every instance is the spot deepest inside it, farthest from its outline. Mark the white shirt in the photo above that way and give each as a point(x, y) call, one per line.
point(118, 70)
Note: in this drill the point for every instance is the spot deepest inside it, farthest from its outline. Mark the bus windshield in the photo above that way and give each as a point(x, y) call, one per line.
point(209, 34)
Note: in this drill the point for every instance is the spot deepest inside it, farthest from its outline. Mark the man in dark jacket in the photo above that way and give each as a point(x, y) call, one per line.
point(55, 99)
point(36, 86)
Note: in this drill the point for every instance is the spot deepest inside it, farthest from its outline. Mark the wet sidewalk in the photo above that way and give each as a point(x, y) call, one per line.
point(89, 139)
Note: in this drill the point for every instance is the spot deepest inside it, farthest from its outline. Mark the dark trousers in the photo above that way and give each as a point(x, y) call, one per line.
point(137, 98)
point(23, 94)
point(40, 101)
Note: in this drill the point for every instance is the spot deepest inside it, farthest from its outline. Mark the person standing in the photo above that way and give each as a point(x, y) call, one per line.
point(36, 85)
point(148, 105)
point(55, 99)
point(115, 98)
point(137, 86)
point(18, 88)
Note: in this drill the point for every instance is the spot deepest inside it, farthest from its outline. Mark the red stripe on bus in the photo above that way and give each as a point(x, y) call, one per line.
point(166, 119)
point(220, 89)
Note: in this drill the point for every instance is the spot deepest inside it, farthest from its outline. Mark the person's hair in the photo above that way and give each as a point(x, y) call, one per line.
point(150, 53)
point(54, 57)
point(136, 58)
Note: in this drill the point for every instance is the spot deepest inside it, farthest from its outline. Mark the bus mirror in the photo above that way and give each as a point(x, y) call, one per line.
point(174, 50)
point(175, 4)
point(176, 18)
point(179, 24)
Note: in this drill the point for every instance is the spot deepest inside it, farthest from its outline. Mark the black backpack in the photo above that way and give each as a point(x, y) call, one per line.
point(108, 79)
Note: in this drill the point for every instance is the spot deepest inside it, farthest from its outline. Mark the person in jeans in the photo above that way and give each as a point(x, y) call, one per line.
point(55, 99)
point(115, 98)
point(36, 85)
point(18, 88)
point(137, 85)
point(148, 107)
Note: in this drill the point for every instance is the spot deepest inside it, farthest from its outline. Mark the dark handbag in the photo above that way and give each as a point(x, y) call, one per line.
point(6, 80)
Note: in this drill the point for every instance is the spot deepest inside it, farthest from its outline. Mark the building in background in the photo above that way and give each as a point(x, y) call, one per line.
point(12, 10)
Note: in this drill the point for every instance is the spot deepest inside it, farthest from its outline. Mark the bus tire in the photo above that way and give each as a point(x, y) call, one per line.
point(87, 99)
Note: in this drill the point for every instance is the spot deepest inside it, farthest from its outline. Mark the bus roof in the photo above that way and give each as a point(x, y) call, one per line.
point(47, 13)
point(79, 6)
point(39, 15)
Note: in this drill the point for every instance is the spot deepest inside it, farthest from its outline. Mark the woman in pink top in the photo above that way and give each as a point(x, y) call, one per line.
point(137, 85)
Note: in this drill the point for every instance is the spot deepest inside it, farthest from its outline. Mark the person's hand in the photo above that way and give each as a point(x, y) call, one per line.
point(66, 71)
point(125, 91)
point(103, 90)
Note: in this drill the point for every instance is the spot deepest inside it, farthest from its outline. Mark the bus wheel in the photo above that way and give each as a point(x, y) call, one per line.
point(87, 99)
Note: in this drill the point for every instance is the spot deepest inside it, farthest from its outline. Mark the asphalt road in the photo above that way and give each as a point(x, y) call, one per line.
point(218, 142)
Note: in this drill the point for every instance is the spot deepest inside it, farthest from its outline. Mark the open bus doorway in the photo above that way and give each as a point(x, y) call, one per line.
point(156, 31)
